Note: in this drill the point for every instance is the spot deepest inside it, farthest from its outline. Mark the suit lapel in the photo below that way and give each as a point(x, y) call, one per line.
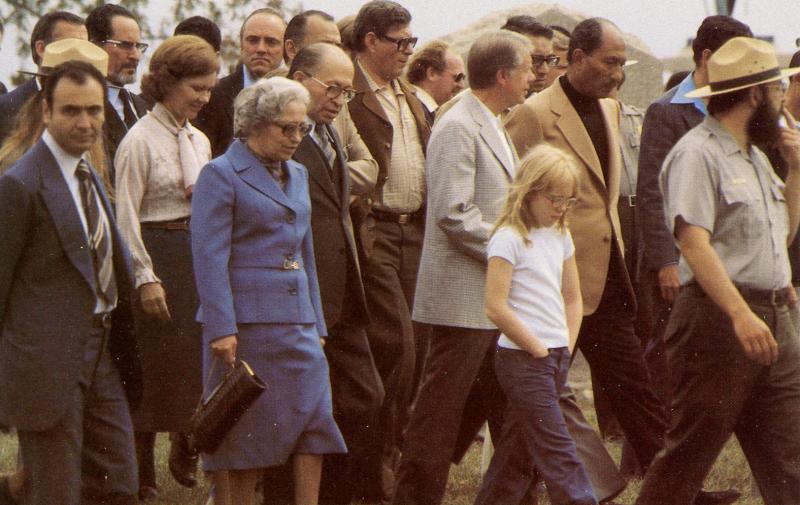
point(253, 173)
point(367, 95)
point(61, 205)
point(310, 155)
point(341, 166)
point(489, 133)
point(573, 130)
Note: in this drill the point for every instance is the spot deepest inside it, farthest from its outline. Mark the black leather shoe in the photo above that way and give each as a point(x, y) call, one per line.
point(182, 461)
point(6, 498)
point(717, 497)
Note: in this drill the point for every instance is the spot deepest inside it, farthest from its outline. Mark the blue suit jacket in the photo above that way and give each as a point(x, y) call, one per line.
point(47, 294)
point(664, 125)
point(11, 103)
point(246, 230)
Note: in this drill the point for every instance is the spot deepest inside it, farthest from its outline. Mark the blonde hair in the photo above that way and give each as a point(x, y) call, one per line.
point(542, 169)
point(28, 129)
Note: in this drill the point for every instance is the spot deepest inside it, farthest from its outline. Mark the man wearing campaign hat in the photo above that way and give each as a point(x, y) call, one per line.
point(732, 346)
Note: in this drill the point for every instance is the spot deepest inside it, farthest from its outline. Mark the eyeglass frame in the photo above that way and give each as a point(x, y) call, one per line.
point(551, 60)
point(127, 45)
point(401, 43)
point(289, 129)
point(561, 201)
point(349, 93)
point(459, 77)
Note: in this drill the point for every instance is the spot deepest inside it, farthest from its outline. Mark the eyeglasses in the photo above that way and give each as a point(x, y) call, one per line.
point(402, 44)
point(551, 59)
point(458, 77)
point(126, 45)
point(290, 129)
point(562, 201)
point(333, 90)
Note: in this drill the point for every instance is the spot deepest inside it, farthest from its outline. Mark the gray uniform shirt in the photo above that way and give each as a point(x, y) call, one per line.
point(709, 181)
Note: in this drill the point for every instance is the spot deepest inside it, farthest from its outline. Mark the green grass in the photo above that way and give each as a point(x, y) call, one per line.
point(731, 470)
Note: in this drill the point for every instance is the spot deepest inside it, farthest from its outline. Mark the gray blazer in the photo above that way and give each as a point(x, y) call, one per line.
point(468, 173)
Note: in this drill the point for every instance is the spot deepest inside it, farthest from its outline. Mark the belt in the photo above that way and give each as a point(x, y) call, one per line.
point(774, 297)
point(102, 320)
point(177, 224)
point(382, 215)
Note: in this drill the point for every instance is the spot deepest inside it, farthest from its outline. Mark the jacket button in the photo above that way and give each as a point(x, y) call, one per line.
point(293, 291)
point(388, 145)
point(607, 238)
point(290, 219)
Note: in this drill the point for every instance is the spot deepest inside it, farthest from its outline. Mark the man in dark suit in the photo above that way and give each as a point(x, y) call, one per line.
point(261, 43)
point(392, 124)
point(67, 351)
point(437, 74)
point(116, 30)
point(327, 73)
point(52, 26)
point(666, 121)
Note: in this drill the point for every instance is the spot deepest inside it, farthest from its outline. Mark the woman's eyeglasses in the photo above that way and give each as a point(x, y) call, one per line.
point(290, 129)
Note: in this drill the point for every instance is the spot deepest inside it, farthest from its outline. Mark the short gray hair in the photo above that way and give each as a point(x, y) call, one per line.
point(497, 50)
point(263, 103)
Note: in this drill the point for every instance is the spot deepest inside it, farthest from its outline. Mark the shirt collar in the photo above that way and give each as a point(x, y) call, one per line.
point(249, 78)
point(687, 85)
point(426, 98)
point(494, 120)
point(66, 161)
point(113, 94)
point(375, 87)
point(726, 141)
point(165, 117)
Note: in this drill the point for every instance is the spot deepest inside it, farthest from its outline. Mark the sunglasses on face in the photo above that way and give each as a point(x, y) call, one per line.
point(126, 45)
point(333, 90)
point(551, 60)
point(402, 44)
point(289, 130)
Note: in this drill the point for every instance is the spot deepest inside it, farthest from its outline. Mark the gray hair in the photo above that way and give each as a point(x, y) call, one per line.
point(263, 103)
point(497, 50)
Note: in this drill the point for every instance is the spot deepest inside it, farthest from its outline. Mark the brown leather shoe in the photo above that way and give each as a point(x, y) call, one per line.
point(717, 497)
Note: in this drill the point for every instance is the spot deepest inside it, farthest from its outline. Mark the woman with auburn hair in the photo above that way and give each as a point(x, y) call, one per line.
point(157, 164)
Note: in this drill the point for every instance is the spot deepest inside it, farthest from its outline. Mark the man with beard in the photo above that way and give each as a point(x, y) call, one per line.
point(116, 31)
point(731, 342)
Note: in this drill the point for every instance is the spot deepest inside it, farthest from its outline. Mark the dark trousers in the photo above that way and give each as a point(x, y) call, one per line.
point(390, 278)
point(608, 341)
point(88, 457)
point(357, 397)
point(534, 434)
point(717, 391)
point(459, 392)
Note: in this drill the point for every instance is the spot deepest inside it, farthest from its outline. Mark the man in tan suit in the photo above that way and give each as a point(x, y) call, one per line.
point(575, 115)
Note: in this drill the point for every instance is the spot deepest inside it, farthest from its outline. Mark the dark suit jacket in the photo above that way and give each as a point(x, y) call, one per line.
point(11, 103)
point(47, 295)
point(216, 117)
point(334, 242)
point(664, 124)
point(114, 128)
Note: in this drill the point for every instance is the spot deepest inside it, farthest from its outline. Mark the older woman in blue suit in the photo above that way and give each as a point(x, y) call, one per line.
point(259, 298)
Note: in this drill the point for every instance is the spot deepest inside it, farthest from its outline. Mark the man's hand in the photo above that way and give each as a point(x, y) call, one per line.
point(756, 339)
point(225, 348)
point(154, 300)
point(669, 282)
point(789, 141)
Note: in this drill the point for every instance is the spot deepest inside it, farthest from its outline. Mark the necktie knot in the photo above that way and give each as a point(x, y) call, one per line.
point(82, 171)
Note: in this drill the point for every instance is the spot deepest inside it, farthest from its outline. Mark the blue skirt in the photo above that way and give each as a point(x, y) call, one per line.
point(294, 415)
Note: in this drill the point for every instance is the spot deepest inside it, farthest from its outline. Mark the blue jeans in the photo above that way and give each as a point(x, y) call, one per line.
point(535, 436)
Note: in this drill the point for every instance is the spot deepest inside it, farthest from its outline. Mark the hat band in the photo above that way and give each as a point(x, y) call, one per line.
point(746, 80)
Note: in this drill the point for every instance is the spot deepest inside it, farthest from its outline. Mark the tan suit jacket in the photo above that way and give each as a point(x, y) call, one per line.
point(550, 117)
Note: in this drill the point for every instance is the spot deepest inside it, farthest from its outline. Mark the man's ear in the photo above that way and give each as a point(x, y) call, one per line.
point(45, 112)
point(370, 41)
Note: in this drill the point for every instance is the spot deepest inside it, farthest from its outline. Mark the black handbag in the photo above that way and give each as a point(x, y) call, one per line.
point(216, 415)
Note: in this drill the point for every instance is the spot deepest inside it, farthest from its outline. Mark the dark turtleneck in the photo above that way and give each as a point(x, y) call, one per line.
point(589, 111)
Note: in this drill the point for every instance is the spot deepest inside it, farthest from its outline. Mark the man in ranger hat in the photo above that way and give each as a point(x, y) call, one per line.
point(731, 342)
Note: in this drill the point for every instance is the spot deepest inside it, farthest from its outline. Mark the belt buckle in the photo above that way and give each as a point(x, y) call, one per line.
point(291, 265)
point(773, 297)
point(631, 201)
point(403, 218)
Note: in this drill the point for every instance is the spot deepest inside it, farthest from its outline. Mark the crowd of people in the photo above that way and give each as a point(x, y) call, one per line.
point(404, 244)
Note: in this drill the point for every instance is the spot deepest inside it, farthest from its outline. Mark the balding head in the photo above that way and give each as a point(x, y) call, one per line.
point(327, 73)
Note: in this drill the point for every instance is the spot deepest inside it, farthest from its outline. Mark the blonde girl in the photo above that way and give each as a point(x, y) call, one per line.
point(533, 296)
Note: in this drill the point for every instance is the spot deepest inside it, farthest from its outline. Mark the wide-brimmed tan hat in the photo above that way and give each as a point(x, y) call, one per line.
point(63, 50)
point(740, 63)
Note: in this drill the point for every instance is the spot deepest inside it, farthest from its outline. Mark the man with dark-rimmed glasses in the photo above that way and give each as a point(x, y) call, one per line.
point(392, 123)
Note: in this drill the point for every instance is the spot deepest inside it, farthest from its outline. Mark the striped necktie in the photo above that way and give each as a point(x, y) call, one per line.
point(324, 143)
point(99, 240)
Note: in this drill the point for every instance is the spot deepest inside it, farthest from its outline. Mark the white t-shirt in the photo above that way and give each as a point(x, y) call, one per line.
point(535, 294)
